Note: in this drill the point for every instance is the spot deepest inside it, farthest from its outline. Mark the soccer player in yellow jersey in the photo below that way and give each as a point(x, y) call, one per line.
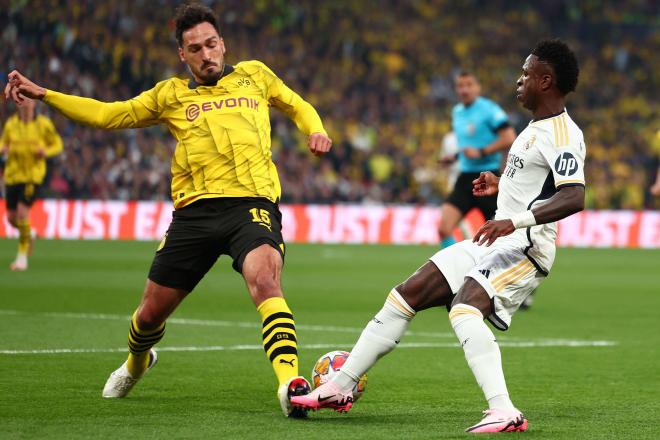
point(27, 141)
point(224, 186)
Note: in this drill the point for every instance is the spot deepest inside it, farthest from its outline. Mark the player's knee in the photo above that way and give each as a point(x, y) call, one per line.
point(473, 294)
point(264, 285)
point(149, 319)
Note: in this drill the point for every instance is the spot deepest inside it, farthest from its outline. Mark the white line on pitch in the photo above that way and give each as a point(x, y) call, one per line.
point(215, 323)
point(520, 344)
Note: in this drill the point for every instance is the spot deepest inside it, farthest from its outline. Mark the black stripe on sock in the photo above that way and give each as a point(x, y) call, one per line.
point(282, 325)
point(146, 339)
point(144, 334)
point(279, 336)
point(287, 349)
point(275, 316)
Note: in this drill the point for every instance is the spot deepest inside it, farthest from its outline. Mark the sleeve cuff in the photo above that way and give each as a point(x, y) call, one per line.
point(567, 183)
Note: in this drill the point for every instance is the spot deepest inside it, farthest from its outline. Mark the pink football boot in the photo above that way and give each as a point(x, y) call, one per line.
point(497, 420)
point(327, 395)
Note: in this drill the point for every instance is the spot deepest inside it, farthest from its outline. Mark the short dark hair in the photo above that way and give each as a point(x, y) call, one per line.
point(464, 73)
point(189, 15)
point(561, 58)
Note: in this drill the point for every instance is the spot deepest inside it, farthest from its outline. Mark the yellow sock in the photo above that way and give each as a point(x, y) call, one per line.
point(23, 236)
point(279, 338)
point(139, 344)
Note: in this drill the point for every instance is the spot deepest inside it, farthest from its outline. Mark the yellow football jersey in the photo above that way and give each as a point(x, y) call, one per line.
point(222, 131)
point(24, 140)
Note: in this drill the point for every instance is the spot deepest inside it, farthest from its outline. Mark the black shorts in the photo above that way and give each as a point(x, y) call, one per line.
point(25, 193)
point(464, 200)
point(204, 230)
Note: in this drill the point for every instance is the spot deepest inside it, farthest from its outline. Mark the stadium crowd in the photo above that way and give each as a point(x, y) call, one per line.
point(380, 74)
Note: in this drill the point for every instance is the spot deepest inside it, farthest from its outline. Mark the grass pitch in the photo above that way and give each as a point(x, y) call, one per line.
point(583, 363)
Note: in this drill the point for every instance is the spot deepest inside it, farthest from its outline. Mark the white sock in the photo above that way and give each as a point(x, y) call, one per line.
point(482, 354)
point(378, 338)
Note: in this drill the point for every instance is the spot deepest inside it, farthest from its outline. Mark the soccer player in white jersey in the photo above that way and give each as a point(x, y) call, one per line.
point(489, 276)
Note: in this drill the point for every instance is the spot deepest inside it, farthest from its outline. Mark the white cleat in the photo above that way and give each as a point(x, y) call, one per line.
point(296, 386)
point(19, 265)
point(120, 382)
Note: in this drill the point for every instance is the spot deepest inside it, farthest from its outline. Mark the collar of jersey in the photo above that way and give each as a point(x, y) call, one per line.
point(549, 116)
point(192, 84)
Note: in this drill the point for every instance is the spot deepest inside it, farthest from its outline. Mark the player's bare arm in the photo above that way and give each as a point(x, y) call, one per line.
point(567, 201)
point(19, 87)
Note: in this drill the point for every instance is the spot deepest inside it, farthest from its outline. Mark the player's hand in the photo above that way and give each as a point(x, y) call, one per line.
point(19, 87)
point(319, 143)
point(41, 152)
point(472, 153)
point(493, 229)
point(485, 185)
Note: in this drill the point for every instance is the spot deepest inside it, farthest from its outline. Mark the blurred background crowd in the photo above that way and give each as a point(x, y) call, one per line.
point(380, 73)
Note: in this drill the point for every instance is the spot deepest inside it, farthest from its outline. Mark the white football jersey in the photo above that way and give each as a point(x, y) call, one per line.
point(547, 155)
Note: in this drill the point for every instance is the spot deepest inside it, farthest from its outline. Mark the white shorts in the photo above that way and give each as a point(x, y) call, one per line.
point(504, 270)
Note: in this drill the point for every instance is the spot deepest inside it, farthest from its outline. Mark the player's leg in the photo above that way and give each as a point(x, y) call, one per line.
point(426, 288)
point(458, 203)
point(184, 256)
point(450, 217)
point(495, 277)
point(21, 220)
point(146, 329)
point(257, 247)
point(261, 270)
point(430, 286)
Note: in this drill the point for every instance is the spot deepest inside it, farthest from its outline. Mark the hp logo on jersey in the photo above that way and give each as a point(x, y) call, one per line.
point(566, 164)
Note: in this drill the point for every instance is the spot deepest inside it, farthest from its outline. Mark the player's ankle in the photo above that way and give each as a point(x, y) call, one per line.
point(502, 402)
point(345, 380)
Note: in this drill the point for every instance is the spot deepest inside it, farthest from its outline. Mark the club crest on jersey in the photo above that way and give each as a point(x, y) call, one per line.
point(530, 143)
point(566, 164)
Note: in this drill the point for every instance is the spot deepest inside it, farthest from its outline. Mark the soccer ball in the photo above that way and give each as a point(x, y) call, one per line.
point(329, 365)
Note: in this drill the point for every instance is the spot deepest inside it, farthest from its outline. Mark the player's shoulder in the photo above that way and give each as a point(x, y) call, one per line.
point(557, 130)
point(43, 120)
point(13, 119)
point(170, 84)
point(252, 68)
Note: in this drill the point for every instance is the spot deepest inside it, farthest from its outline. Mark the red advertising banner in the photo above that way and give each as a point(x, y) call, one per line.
point(137, 220)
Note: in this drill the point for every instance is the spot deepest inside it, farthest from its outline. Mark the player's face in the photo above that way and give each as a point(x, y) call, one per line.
point(467, 88)
point(527, 92)
point(204, 52)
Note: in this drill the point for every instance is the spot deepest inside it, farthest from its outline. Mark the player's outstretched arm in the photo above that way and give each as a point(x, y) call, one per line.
point(137, 112)
point(485, 185)
point(567, 201)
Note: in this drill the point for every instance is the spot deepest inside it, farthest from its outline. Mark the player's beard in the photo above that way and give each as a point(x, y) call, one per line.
point(209, 78)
